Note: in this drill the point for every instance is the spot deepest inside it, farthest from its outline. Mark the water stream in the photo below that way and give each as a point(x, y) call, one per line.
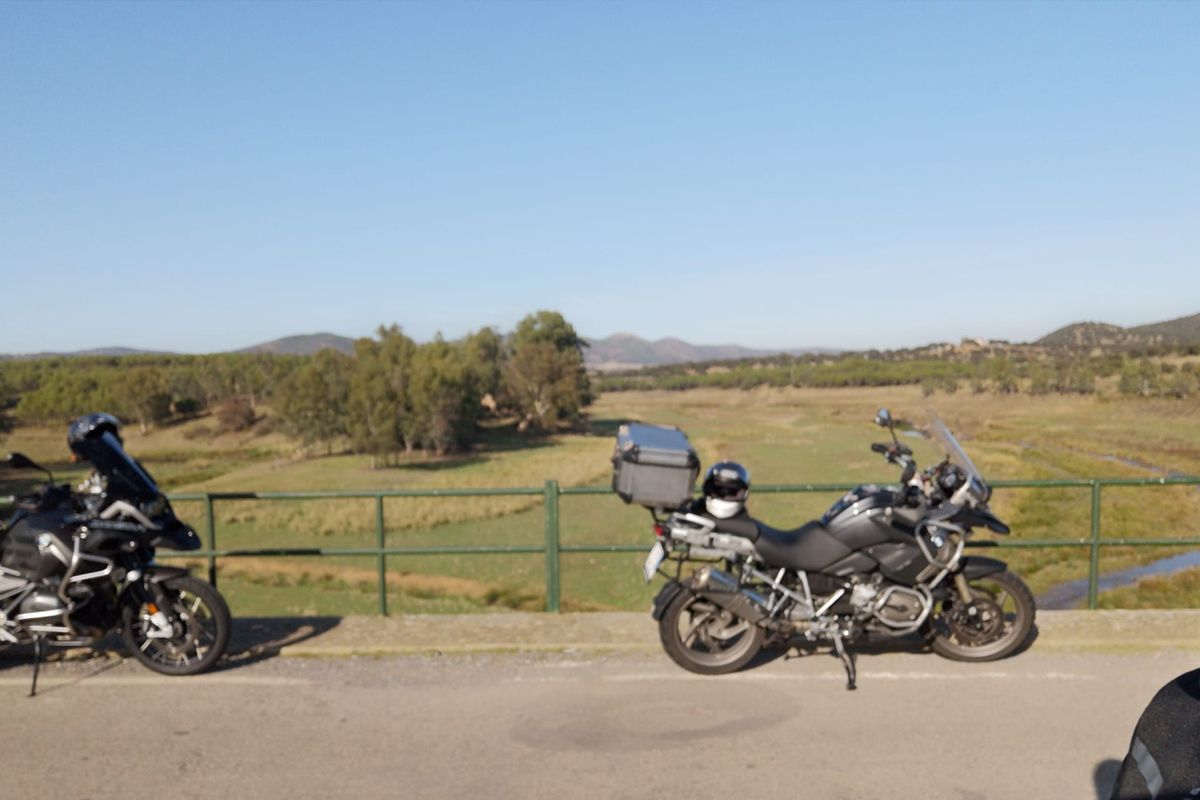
point(1073, 594)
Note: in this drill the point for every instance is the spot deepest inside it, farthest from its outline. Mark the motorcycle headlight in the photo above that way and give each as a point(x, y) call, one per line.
point(152, 508)
point(979, 490)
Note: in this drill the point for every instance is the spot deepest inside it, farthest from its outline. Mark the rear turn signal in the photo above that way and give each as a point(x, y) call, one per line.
point(659, 531)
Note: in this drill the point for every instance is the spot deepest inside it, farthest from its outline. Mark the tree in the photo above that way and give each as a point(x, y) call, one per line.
point(1004, 379)
point(379, 403)
point(1183, 383)
point(1139, 378)
point(63, 395)
point(187, 393)
point(485, 356)
point(7, 401)
point(1079, 379)
point(544, 378)
point(444, 396)
point(312, 402)
point(141, 394)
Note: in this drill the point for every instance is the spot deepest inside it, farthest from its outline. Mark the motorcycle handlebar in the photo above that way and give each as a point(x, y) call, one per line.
point(891, 449)
point(898, 453)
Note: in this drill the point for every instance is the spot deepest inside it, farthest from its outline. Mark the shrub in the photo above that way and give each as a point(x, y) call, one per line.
point(235, 414)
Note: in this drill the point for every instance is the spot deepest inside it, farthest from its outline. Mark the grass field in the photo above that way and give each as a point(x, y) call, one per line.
point(782, 435)
point(1181, 590)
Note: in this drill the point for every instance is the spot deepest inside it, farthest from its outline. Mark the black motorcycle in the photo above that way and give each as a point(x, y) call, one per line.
point(76, 565)
point(882, 562)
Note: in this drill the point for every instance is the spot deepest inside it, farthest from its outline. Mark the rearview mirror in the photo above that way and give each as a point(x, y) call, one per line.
point(19, 461)
point(22, 461)
point(883, 418)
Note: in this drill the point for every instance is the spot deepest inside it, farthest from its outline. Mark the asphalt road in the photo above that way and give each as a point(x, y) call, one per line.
point(1041, 725)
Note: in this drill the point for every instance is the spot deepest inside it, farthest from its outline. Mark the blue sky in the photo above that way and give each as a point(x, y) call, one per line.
point(204, 177)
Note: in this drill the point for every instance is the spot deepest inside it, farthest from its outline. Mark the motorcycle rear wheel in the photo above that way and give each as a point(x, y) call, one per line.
point(1003, 619)
point(200, 623)
point(704, 638)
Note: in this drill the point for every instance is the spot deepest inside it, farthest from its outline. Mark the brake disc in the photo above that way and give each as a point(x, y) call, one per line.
point(977, 623)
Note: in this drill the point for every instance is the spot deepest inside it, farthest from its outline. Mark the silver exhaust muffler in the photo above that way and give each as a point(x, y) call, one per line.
point(722, 588)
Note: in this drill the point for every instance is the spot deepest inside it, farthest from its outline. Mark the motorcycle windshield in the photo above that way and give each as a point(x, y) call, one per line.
point(943, 436)
point(124, 476)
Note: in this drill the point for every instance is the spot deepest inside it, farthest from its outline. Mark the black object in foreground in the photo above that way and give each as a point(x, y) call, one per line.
point(1164, 757)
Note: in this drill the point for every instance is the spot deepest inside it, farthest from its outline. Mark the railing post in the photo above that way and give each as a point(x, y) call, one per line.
point(1094, 561)
point(380, 543)
point(552, 585)
point(211, 521)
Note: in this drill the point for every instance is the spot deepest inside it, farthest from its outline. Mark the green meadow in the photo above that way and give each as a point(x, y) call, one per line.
point(783, 435)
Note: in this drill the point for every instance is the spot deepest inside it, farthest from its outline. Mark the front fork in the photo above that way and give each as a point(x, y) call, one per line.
point(968, 599)
point(148, 600)
point(964, 589)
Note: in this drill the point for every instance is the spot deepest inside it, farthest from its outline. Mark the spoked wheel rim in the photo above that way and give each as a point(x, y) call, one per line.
point(712, 636)
point(194, 631)
point(994, 624)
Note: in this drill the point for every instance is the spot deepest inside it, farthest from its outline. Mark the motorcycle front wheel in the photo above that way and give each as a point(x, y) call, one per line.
point(702, 637)
point(992, 627)
point(193, 634)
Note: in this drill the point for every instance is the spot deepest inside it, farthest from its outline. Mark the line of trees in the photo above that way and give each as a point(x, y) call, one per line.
point(1144, 378)
point(392, 395)
point(145, 390)
point(395, 395)
point(1000, 374)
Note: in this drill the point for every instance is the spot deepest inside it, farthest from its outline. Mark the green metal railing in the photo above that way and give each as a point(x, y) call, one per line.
point(553, 548)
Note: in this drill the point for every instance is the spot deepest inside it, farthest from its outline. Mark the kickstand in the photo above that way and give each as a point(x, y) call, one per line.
point(37, 663)
point(847, 661)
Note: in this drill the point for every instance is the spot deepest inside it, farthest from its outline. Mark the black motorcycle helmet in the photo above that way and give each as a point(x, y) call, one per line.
point(92, 426)
point(726, 484)
point(96, 439)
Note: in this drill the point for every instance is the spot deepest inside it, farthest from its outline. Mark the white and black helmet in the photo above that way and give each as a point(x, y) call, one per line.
point(726, 485)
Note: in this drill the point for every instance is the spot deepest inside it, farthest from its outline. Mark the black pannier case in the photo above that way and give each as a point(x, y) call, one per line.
point(654, 466)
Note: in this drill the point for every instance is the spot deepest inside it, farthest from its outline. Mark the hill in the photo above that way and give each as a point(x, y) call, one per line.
point(626, 351)
point(1185, 330)
point(1086, 334)
point(303, 345)
point(98, 351)
point(1181, 331)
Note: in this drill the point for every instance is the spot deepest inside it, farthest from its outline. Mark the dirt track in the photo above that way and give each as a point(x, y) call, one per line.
point(1047, 724)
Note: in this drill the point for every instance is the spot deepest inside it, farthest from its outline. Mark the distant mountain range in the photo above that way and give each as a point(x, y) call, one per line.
point(619, 351)
point(99, 351)
point(627, 351)
point(303, 345)
point(1182, 331)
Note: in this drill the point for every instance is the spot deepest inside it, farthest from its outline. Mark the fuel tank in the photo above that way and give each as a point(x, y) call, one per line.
point(863, 517)
point(875, 522)
point(38, 545)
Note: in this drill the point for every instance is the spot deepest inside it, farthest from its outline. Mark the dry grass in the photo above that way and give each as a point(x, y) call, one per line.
point(1174, 591)
point(782, 435)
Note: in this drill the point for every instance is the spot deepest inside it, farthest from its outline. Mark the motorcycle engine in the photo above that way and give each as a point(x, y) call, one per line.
point(901, 607)
point(895, 606)
point(861, 597)
point(41, 601)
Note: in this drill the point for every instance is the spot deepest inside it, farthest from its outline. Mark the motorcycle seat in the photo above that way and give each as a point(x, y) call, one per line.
point(809, 548)
point(741, 525)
